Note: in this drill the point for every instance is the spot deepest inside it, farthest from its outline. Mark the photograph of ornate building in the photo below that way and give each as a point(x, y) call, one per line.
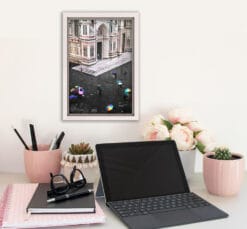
point(93, 40)
point(100, 53)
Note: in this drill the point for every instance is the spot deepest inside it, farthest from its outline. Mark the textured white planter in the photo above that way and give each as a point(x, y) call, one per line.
point(188, 161)
point(85, 158)
point(89, 169)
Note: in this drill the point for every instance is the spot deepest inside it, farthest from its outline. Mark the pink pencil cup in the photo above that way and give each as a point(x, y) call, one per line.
point(39, 164)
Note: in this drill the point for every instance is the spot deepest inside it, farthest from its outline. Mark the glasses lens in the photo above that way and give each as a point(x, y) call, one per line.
point(78, 179)
point(60, 184)
point(78, 175)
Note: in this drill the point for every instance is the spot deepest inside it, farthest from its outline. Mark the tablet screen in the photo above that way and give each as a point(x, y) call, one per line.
point(140, 169)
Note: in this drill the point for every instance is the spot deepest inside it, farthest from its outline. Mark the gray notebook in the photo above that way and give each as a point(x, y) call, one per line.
point(83, 204)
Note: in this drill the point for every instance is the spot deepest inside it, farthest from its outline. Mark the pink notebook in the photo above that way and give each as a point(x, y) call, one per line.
point(13, 211)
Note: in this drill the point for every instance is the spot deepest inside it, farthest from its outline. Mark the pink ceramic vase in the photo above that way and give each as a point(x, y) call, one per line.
point(223, 177)
point(39, 164)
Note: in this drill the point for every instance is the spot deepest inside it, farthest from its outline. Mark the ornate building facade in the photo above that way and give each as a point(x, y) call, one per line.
point(93, 40)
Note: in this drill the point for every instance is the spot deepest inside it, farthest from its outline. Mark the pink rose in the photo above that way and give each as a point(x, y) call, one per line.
point(183, 137)
point(194, 126)
point(157, 132)
point(205, 142)
point(157, 120)
point(180, 115)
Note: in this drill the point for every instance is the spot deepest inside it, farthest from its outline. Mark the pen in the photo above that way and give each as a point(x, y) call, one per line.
point(59, 140)
point(70, 196)
point(33, 138)
point(53, 143)
point(19, 136)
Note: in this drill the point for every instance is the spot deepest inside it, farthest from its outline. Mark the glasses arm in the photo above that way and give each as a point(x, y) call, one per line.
point(72, 175)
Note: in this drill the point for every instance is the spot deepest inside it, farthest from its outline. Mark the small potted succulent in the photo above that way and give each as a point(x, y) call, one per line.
point(83, 156)
point(223, 172)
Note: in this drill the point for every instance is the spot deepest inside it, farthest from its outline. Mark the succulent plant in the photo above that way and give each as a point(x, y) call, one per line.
point(80, 149)
point(222, 153)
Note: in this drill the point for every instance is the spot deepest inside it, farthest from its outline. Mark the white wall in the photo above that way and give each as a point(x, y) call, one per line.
point(193, 54)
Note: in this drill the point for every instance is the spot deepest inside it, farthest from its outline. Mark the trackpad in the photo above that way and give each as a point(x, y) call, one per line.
point(141, 222)
point(175, 218)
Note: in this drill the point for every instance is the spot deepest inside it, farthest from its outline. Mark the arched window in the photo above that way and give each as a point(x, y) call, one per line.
point(102, 31)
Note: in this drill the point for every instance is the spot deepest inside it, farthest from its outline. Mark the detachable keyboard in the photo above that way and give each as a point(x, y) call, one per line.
point(151, 205)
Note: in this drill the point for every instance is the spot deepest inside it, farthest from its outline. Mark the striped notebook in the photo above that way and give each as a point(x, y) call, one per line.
point(13, 211)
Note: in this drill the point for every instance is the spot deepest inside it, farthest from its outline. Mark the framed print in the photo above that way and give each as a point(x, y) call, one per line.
point(100, 65)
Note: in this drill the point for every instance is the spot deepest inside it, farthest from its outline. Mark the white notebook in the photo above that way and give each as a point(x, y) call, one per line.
point(13, 211)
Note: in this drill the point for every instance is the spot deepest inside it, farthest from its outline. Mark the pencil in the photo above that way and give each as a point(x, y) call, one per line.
point(19, 136)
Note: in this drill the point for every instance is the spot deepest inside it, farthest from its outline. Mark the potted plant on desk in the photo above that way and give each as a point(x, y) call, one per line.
point(83, 156)
point(223, 172)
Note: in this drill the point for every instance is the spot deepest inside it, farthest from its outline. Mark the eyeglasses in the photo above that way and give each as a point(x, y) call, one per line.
point(59, 184)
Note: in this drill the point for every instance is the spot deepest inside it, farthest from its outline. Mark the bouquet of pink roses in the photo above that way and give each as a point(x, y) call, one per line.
point(181, 127)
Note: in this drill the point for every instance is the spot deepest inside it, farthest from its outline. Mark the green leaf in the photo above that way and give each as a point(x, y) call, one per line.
point(200, 147)
point(196, 132)
point(168, 124)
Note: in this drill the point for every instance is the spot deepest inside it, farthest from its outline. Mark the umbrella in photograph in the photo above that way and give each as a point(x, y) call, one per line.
point(127, 91)
point(119, 82)
point(77, 90)
point(109, 107)
point(71, 97)
point(81, 91)
point(114, 74)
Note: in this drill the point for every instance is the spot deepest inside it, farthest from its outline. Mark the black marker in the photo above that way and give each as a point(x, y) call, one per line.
point(33, 138)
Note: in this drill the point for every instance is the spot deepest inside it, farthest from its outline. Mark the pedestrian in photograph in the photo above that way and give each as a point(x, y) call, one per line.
point(99, 89)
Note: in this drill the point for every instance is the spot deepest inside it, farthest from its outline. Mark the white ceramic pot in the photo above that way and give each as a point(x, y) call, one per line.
point(86, 163)
point(188, 161)
point(84, 158)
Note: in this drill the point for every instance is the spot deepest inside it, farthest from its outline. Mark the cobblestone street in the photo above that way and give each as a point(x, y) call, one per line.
point(101, 91)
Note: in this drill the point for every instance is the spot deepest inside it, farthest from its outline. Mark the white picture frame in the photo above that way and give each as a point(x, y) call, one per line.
point(115, 42)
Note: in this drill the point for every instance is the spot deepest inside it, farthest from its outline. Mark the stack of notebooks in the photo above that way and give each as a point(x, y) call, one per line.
point(19, 199)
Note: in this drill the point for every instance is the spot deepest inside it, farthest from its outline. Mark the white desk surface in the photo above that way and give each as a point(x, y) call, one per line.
point(236, 206)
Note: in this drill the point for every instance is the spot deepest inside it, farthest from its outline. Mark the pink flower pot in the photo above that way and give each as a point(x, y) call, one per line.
point(223, 177)
point(39, 164)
